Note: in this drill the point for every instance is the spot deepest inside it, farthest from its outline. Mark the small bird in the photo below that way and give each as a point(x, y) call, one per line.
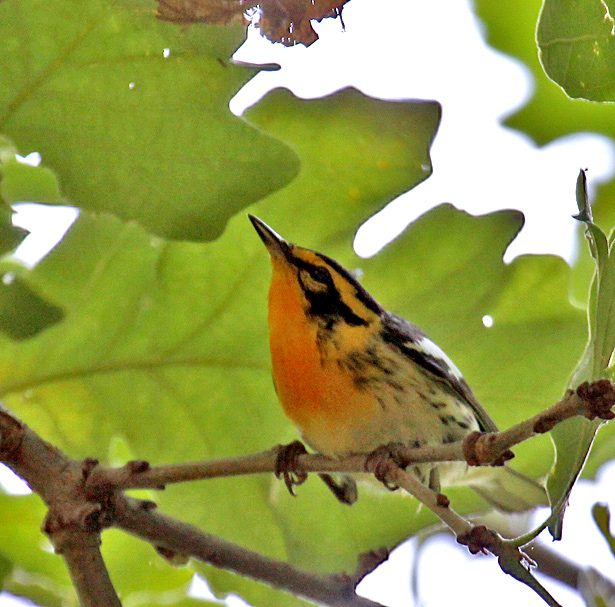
point(353, 377)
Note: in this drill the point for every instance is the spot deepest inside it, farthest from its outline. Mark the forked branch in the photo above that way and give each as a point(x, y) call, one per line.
point(73, 522)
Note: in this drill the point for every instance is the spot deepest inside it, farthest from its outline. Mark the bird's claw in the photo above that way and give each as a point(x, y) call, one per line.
point(287, 465)
point(379, 459)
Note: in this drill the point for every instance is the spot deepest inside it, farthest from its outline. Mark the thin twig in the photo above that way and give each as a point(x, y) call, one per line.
point(140, 519)
point(589, 400)
point(478, 539)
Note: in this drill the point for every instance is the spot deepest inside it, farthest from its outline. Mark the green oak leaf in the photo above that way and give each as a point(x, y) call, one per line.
point(132, 113)
point(550, 113)
point(577, 47)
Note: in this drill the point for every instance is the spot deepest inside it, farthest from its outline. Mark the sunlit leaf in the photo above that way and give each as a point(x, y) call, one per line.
point(132, 113)
point(577, 47)
point(25, 183)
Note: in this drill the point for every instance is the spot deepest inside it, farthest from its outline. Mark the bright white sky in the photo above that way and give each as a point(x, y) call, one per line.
point(434, 50)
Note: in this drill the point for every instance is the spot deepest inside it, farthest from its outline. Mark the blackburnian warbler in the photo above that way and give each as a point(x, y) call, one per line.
point(353, 377)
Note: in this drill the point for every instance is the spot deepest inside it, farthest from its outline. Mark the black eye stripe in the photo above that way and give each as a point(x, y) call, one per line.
point(362, 295)
point(321, 274)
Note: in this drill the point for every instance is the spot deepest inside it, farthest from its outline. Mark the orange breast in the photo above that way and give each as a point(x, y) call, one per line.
point(316, 395)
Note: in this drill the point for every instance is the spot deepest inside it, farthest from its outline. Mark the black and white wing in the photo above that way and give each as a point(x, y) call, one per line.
point(414, 344)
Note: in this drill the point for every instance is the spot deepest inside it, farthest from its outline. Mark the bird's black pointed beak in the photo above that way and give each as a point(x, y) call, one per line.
point(275, 244)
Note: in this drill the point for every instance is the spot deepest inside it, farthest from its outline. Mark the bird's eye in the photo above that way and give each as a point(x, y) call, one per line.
point(321, 275)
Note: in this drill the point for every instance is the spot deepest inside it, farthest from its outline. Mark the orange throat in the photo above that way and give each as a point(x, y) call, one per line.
point(315, 396)
point(294, 352)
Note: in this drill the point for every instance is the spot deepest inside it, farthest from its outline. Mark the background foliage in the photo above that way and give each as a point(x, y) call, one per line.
point(143, 333)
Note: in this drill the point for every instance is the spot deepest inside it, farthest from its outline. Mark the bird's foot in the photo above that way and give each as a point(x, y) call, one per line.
point(287, 465)
point(379, 460)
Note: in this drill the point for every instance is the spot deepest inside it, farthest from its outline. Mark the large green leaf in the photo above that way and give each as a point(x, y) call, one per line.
point(128, 126)
point(577, 47)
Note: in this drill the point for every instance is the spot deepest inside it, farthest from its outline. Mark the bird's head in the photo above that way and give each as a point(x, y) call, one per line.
point(326, 291)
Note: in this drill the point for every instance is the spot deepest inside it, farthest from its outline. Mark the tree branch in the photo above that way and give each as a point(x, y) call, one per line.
point(83, 498)
point(478, 539)
point(86, 567)
point(73, 523)
point(478, 449)
point(75, 519)
point(140, 519)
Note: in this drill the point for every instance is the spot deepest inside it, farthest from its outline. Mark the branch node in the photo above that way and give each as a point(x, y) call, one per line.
point(599, 398)
point(87, 465)
point(147, 505)
point(177, 559)
point(380, 460)
point(369, 562)
point(137, 466)
point(442, 500)
point(478, 450)
point(481, 539)
point(504, 457)
point(546, 424)
point(469, 448)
